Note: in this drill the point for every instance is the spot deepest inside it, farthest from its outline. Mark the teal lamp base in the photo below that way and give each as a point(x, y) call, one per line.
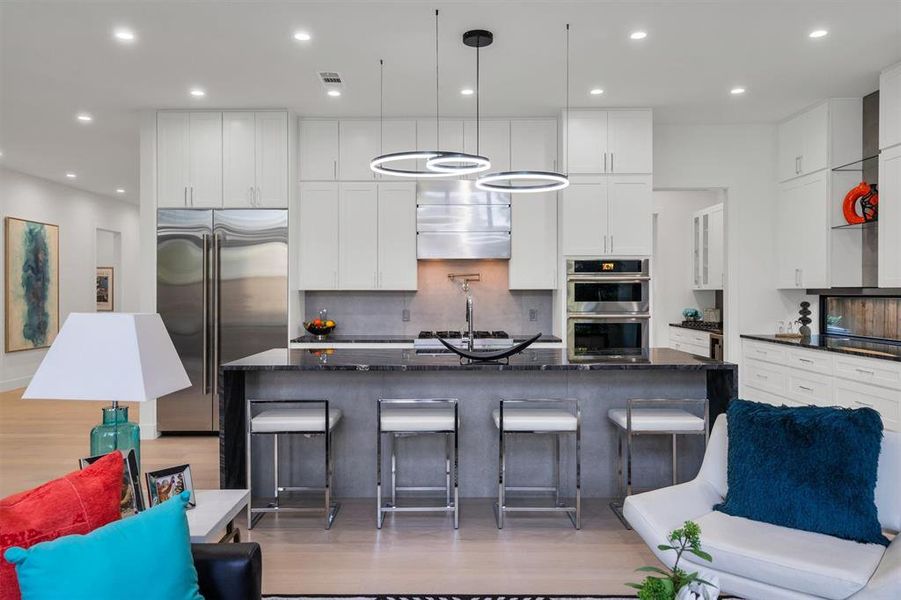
point(116, 433)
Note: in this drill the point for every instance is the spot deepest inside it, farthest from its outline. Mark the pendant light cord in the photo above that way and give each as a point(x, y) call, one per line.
point(478, 130)
point(381, 106)
point(567, 99)
point(437, 95)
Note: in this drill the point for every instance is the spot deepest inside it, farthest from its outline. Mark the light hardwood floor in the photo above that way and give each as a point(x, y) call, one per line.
point(412, 554)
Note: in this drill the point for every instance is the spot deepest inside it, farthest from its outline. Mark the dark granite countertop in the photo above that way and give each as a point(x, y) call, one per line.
point(396, 359)
point(396, 339)
point(713, 331)
point(834, 343)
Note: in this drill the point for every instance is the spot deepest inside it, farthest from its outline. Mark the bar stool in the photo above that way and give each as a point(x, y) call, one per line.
point(307, 420)
point(535, 416)
point(409, 417)
point(653, 416)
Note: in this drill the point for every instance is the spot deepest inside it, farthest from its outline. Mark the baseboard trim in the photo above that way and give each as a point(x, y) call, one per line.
point(9, 385)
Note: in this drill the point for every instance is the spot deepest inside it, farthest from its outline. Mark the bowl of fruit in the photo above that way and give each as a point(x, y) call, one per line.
point(320, 327)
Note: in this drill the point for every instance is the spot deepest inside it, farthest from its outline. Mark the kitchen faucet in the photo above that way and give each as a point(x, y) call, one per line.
point(467, 278)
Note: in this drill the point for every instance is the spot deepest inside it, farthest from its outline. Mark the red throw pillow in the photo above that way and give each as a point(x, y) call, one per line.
point(77, 503)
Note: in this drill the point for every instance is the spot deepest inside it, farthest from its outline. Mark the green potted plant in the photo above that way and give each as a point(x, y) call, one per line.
point(678, 584)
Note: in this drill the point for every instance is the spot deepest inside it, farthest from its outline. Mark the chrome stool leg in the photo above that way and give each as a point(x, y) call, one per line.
point(675, 454)
point(393, 443)
point(379, 514)
point(275, 466)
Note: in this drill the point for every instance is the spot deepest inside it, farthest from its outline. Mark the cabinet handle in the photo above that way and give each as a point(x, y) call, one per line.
point(612, 170)
point(611, 235)
point(800, 164)
point(186, 195)
point(862, 403)
point(605, 244)
point(805, 388)
point(865, 371)
point(335, 169)
point(192, 196)
point(605, 162)
point(259, 197)
point(250, 189)
point(762, 376)
point(806, 360)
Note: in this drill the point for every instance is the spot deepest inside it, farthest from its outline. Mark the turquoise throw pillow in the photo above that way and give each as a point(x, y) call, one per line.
point(809, 467)
point(147, 556)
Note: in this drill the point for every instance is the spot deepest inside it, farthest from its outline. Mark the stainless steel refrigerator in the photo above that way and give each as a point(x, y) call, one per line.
point(222, 291)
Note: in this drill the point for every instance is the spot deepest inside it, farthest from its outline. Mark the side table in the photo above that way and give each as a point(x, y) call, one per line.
point(215, 512)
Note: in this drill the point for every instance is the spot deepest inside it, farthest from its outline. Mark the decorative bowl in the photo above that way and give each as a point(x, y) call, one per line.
point(319, 328)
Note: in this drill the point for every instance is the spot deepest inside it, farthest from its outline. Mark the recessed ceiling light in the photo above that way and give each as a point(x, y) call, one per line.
point(818, 33)
point(596, 91)
point(467, 91)
point(84, 117)
point(302, 36)
point(334, 93)
point(71, 175)
point(124, 35)
point(198, 93)
point(737, 90)
point(638, 35)
point(120, 191)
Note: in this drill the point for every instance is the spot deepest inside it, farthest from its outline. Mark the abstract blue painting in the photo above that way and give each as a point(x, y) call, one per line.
point(32, 284)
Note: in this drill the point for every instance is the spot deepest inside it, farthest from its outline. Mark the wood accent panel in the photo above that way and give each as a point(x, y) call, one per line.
point(869, 317)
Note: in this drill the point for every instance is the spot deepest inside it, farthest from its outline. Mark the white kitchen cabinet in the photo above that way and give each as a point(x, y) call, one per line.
point(358, 144)
point(318, 150)
point(708, 255)
point(451, 137)
point(533, 145)
point(173, 148)
point(533, 252)
point(358, 211)
point(630, 141)
point(890, 217)
point(803, 232)
point(689, 340)
point(397, 266)
point(494, 142)
point(629, 215)
point(824, 136)
point(189, 151)
point(583, 209)
point(890, 107)
point(318, 221)
point(586, 143)
point(397, 136)
point(255, 159)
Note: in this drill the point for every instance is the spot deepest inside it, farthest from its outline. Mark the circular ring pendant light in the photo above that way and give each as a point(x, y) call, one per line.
point(527, 182)
point(439, 163)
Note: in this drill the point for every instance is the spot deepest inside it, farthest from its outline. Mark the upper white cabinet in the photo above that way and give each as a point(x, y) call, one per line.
point(255, 159)
point(824, 136)
point(607, 216)
point(708, 254)
point(802, 232)
point(358, 235)
point(533, 145)
point(533, 252)
point(890, 107)
point(615, 141)
point(397, 136)
point(189, 159)
point(358, 144)
point(493, 139)
point(318, 236)
point(427, 137)
point(397, 268)
point(319, 150)
point(890, 217)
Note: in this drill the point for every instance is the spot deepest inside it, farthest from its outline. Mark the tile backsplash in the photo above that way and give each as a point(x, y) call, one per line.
point(439, 303)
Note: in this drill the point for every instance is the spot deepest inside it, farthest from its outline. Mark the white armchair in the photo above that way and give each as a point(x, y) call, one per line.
point(761, 561)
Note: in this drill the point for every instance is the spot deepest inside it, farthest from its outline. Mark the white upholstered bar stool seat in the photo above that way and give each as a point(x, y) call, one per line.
point(417, 419)
point(657, 419)
point(295, 420)
point(535, 419)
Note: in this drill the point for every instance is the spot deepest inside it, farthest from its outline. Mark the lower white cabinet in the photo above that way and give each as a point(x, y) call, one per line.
point(607, 215)
point(318, 226)
point(890, 217)
point(357, 236)
point(777, 373)
point(803, 231)
point(533, 252)
point(689, 340)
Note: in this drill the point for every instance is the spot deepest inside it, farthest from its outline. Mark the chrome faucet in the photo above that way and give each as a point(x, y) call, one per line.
point(467, 278)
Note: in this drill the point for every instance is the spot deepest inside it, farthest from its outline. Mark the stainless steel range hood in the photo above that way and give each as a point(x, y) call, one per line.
point(454, 220)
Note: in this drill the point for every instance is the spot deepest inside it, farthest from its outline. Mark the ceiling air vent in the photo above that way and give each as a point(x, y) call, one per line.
point(331, 81)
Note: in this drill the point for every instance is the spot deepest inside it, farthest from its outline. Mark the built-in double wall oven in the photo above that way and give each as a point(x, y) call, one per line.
point(608, 307)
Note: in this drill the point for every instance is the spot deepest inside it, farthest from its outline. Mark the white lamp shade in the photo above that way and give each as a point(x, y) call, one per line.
point(120, 357)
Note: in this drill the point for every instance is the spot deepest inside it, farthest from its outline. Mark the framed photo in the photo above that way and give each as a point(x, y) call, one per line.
point(132, 501)
point(105, 289)
point(165, 483)
point(31, 284)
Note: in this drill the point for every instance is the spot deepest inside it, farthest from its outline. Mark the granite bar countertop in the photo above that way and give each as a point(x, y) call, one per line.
point(348, 338)
point(713, 331)
point(396, 359)
point(834, 343)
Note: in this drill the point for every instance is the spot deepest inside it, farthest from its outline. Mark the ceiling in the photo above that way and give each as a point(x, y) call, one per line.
point(60, 58)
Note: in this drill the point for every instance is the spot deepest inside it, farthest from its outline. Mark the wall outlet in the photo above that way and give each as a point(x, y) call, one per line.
point(405, 315)
point(533, 314)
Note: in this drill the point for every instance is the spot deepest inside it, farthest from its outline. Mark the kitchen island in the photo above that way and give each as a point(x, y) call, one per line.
point(353, 380)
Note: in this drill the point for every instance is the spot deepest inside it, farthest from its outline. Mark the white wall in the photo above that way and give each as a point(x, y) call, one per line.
point(741, 159)
point(79, 215)
point(672, 281)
